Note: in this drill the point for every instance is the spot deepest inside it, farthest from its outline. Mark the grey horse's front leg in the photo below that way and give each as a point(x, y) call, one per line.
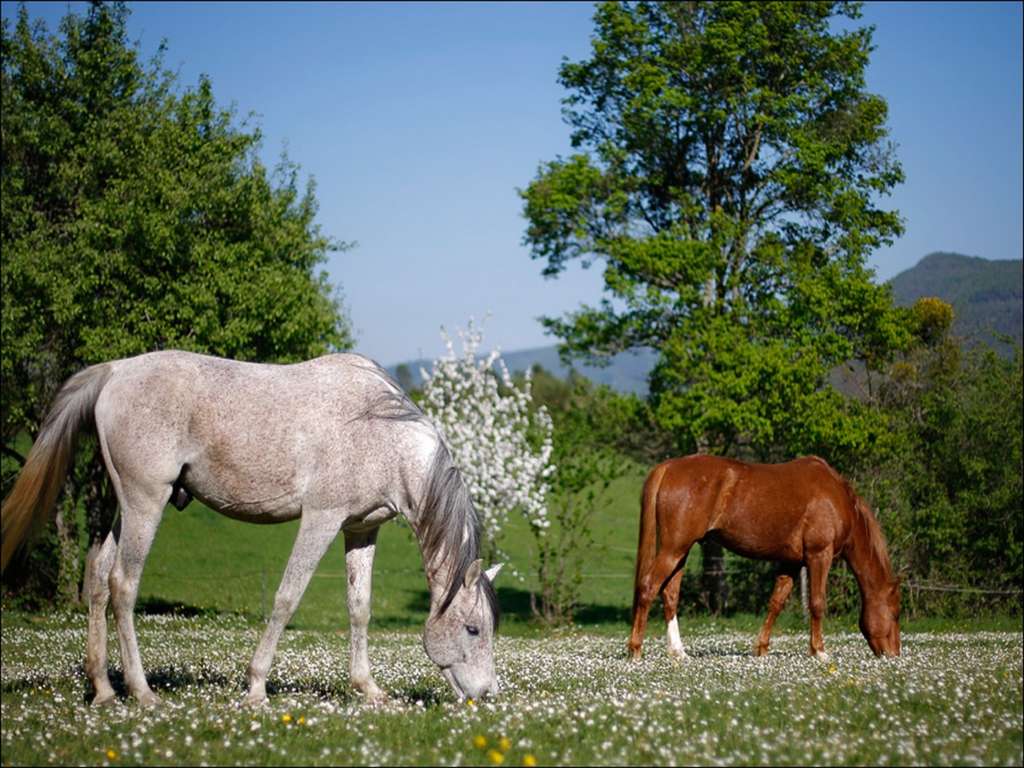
point(316, 532)
point(359, 550)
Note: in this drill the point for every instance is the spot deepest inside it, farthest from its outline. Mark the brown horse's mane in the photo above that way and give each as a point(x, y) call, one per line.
point(875, 538)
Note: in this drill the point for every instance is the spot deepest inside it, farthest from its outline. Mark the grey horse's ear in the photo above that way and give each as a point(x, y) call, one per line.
point(491, 572)
point(473, 574)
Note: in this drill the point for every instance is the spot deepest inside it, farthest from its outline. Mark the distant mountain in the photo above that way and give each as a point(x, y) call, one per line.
point(986, 296)
point(627, 371)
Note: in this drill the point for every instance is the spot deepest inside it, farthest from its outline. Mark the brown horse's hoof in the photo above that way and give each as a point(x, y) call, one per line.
point(760, 650)
point(635, 653)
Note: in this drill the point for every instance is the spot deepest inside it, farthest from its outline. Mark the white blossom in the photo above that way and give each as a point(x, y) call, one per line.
point(502, 447)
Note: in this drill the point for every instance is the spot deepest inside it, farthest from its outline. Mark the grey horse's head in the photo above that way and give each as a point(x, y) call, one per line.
point(459, 638)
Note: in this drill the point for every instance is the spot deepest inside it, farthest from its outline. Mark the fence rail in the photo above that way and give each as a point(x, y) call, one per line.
point(915, 585)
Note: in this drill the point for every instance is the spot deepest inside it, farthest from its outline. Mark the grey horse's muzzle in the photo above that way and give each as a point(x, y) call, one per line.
point(469, 691)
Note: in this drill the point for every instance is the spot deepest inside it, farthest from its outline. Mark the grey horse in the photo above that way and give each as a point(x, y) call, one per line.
point(333, 441)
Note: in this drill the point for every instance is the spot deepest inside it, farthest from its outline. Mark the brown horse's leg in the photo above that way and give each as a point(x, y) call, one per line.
point(817, 571)
point(648, 586)
point(670, 602)
point(783, 586)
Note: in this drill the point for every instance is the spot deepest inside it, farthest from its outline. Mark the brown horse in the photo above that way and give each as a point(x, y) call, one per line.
point(799, 513)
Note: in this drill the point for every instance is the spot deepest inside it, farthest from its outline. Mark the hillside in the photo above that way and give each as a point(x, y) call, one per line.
point(986, 297)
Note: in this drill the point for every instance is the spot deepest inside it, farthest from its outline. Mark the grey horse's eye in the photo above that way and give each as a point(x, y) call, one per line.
point(472, 630)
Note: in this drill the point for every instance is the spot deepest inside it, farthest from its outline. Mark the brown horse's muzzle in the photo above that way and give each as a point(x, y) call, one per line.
point(894, 641)
point(887, 644)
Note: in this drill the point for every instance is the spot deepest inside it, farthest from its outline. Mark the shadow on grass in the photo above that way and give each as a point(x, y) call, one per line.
point(516, 606)
point(167, 680)
point(157, 606)
point(162, 679)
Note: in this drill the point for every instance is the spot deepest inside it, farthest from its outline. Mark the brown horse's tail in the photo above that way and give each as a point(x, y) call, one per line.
point(647, 544)
point(35, 491)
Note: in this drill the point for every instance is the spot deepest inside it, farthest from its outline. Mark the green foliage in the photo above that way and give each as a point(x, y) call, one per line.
point(946, 482)
point(136, 218)
point(620, 421)
point(587, 424)
point(728, 181)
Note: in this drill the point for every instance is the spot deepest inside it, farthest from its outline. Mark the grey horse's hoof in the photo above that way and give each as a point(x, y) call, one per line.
point(376, 697)
point(256, 701)
point(104, 699)
point(371, 693)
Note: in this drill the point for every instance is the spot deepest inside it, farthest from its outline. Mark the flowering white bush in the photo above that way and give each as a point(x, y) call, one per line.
point(502, 448)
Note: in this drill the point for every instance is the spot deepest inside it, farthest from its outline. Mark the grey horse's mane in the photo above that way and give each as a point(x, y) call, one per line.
point(446, 509)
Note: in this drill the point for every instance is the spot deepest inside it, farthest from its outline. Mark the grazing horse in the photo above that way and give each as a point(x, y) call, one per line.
point(333, 441)
point(798, 513)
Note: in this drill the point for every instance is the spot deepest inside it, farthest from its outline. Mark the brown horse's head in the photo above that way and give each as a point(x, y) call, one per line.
point(880, 620)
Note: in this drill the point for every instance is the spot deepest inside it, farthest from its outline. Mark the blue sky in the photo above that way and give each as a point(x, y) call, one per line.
point(418, 122)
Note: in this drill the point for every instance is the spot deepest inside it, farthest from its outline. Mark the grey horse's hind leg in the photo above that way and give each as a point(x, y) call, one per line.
point(359, 552)
point(140, 517)
point(98, 563)
point(316, 532)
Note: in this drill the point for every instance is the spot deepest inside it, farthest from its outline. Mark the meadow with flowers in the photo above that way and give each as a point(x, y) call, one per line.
point(568, 697)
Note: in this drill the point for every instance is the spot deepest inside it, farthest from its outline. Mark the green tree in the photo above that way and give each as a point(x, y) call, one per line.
point(136, 217)
point(948, 480)
point(731, 167)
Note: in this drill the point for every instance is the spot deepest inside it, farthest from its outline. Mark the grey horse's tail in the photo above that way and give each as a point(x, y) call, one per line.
point(36, 489)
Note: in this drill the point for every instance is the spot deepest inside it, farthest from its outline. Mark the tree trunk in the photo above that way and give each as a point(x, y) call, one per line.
point(713, 578)
point(713, 585)
point(69, 568)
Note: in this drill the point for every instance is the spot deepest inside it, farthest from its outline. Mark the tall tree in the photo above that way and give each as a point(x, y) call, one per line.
point(136, 217)
point(729, 179)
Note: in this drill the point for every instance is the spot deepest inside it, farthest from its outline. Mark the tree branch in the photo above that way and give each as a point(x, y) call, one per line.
point(8, 451)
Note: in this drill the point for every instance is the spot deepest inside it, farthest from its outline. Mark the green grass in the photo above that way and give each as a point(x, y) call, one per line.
point(567, 698)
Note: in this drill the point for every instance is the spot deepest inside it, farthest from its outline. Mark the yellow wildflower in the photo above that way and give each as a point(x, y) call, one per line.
point(504, 744)
point(301, 720)
point(495, 756)
point(479, 741)
point(529, 761)
point(111, 754)
point(286, 718)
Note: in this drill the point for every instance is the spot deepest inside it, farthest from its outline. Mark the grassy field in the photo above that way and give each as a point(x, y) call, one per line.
point(567, 698)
